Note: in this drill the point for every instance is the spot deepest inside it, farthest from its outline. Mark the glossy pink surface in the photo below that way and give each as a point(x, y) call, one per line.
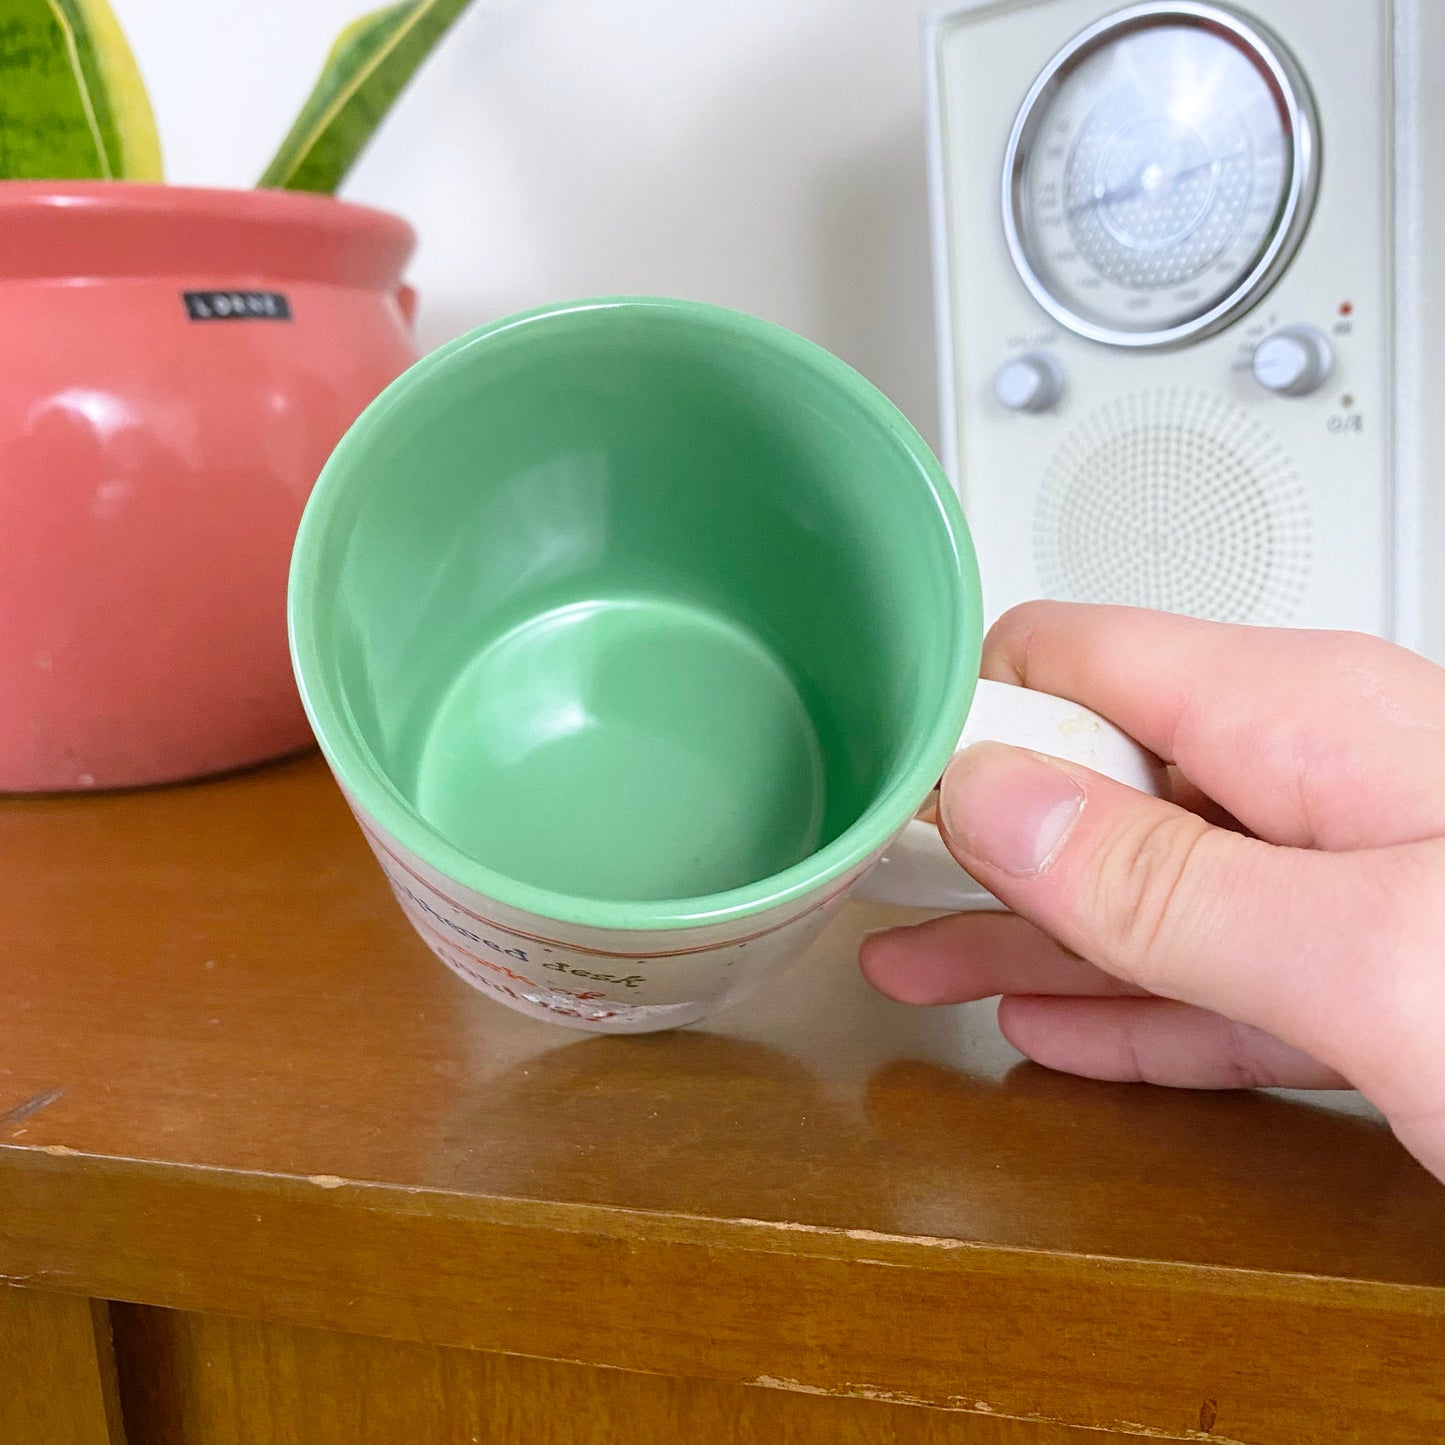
point(153, 467)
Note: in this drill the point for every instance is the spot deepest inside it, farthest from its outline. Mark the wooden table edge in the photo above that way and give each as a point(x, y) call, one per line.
point(766, 1302)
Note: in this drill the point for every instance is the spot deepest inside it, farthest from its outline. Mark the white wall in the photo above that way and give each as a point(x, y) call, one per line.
point(765, 154)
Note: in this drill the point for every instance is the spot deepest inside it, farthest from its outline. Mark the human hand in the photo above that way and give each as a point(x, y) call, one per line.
point(1281, 922)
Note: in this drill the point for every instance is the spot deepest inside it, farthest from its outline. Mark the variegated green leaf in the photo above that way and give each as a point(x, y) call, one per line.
point(72, 102)
point(368, 67)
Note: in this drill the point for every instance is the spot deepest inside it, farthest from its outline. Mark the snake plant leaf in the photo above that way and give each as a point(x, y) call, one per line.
point(73, 105)
point(367, 69)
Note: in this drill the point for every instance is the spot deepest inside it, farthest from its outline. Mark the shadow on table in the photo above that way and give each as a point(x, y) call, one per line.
point(708, 1124)
point(687, 1122)
point(1241, 1178)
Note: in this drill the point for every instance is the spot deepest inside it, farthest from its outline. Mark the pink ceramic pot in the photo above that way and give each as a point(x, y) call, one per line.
point(177, 366)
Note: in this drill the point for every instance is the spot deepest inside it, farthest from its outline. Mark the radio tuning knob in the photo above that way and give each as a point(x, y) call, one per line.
point(1293, 361)
point(1032, 382)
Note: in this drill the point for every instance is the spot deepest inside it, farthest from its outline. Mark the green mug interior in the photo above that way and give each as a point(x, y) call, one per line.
point(635, 613)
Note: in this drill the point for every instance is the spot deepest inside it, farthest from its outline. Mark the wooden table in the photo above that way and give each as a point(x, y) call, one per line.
point(269, 1173)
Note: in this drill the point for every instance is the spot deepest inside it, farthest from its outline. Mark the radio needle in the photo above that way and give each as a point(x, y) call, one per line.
point(1150, 179)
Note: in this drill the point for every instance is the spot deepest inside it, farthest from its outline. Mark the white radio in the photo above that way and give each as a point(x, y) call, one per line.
point(1190, 304)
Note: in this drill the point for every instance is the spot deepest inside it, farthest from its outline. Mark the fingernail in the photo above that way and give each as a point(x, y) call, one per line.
point(1008, 808)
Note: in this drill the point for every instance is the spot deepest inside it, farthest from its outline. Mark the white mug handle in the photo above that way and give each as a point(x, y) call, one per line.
point(918, 871)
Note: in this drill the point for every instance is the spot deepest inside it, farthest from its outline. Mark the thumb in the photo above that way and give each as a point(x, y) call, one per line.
point(1148, 891)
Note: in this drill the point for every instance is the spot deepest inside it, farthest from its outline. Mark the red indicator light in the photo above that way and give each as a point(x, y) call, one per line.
point(1346, 307)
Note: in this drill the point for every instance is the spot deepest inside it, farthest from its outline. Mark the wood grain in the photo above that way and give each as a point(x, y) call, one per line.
point(190, 1378)
point(232, 1082)
point(1017, 1334)
point(57, 1371)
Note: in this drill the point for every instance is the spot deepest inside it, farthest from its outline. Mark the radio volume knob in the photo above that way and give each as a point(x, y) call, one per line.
point(1032, 382)
point(1294, 361)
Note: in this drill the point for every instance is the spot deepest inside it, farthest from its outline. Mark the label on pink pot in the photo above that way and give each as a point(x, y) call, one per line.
point(237, 305)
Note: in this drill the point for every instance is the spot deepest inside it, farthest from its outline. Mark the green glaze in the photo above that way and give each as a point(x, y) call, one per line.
point(368, 67)
point(642, 708)
point(635, 614)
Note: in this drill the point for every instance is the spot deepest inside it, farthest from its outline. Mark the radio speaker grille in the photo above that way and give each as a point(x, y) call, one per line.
point(1177, 500)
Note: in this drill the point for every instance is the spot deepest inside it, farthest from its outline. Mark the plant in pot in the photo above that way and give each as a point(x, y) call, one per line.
point(179, 363)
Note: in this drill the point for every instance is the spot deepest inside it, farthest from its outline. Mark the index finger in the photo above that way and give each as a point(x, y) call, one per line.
point(1315, 739)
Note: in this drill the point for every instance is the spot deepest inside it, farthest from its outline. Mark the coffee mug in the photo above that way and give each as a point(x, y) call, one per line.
point(636, 632)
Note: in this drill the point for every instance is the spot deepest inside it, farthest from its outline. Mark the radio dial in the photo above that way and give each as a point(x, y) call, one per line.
point(1294, 361)
point(1033, 382)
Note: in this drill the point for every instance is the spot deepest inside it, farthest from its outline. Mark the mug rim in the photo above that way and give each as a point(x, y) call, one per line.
point(367, 784)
